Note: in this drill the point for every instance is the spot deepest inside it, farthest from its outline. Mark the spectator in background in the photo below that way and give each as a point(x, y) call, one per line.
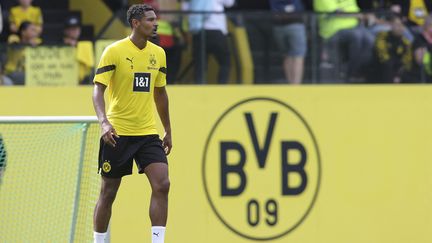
point(427, 64)
point(414, 12)
point(84, 49)
point(377, 14)
point(27, 35)
point(4, 80)
point(1, 20)
point(343, 35)
point(15, 64)
point(290, 35)
point(421, 46)
point(392, 54)
point(71, 31)
point(210, 37)
point(25, 12)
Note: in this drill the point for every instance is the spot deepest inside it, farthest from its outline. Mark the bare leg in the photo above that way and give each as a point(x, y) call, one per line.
point(293, 68)
point(157, 174)
point(102, 211)
point(286, 66)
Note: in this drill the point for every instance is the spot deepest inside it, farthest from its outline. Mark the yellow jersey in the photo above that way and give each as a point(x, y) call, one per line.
point(130, 75)
point(19, 15)
point(329, 25)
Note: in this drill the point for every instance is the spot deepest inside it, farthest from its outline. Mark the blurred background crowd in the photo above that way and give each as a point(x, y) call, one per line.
point(235, 41)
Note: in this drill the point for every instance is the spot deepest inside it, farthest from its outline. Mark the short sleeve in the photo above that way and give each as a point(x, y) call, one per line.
point(12, 16)
point(106, 67)
point(38, 19)
point(161, 77)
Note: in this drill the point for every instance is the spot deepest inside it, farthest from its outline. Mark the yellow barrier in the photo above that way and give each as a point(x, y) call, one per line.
point(291, 164)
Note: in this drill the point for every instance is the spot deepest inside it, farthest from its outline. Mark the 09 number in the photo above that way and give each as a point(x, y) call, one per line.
point(254, 212)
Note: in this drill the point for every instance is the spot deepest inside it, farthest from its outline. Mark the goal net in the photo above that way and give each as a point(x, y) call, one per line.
point(49, 184)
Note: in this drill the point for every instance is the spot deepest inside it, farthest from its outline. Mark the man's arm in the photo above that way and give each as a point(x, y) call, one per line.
point(161, 100)
point(99, 105)
point(1, 20)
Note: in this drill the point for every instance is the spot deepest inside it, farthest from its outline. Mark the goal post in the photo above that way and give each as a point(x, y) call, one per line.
point(49, 184)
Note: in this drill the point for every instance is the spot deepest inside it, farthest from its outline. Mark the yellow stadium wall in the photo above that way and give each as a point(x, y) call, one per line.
point(368, 162)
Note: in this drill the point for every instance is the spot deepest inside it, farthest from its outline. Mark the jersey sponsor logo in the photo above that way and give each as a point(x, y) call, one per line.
point(106, 166)
point(261, 168)
point(141, 82)
point(131, 61)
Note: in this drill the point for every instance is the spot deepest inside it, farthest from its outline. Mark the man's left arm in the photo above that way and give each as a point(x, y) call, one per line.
point(162, 106)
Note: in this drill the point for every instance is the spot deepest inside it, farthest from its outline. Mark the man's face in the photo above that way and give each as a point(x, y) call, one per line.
point(25, 3)
point(73, 32)
point(147, 26)
point(30, 32)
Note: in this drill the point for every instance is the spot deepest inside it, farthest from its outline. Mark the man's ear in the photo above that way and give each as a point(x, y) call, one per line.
point(135, 22)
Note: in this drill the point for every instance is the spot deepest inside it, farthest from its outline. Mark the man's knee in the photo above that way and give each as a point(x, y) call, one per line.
point(162, 187)
point(108, 194)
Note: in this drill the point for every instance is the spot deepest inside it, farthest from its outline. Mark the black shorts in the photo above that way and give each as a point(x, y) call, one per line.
point(115, 162)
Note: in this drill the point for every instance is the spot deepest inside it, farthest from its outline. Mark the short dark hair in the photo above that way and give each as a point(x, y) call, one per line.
point(137, 11)
point(24, 26)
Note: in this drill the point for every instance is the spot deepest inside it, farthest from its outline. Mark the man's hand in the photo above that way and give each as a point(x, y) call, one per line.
point(167, 143)
point(108, 133)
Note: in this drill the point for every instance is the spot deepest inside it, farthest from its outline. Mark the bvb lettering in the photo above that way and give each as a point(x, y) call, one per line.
point(261, 169)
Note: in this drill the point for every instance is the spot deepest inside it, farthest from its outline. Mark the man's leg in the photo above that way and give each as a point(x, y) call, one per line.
point(293, 67)
point(199, 55)
point(218, 46)
point(102, 211)
point(157, 174)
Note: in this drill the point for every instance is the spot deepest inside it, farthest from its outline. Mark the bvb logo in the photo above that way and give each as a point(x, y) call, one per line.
point(261, 169)
point(106, 167)
point(152, 59)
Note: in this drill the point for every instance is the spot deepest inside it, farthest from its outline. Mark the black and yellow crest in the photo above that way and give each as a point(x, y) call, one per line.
point(106, 167)
point(152, 59)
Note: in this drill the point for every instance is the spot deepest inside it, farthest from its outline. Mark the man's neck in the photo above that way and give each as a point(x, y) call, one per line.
point(138, 41)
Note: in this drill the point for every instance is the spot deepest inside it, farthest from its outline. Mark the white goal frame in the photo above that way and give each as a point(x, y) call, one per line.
point(87, 120)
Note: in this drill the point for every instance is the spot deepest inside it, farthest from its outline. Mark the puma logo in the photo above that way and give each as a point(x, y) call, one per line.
point(130, 60)
point(157, 234)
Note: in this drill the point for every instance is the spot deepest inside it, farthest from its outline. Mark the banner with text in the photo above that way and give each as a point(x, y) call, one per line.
point(51, 66)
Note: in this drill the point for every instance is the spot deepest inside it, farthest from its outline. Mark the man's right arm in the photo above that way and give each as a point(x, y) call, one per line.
point(108, 132)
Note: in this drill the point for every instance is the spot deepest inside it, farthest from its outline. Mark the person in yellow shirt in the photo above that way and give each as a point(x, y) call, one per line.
point(133, 70)
point(84, 48)
point(343, 36)
point(25, 12)
point(15, 65)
